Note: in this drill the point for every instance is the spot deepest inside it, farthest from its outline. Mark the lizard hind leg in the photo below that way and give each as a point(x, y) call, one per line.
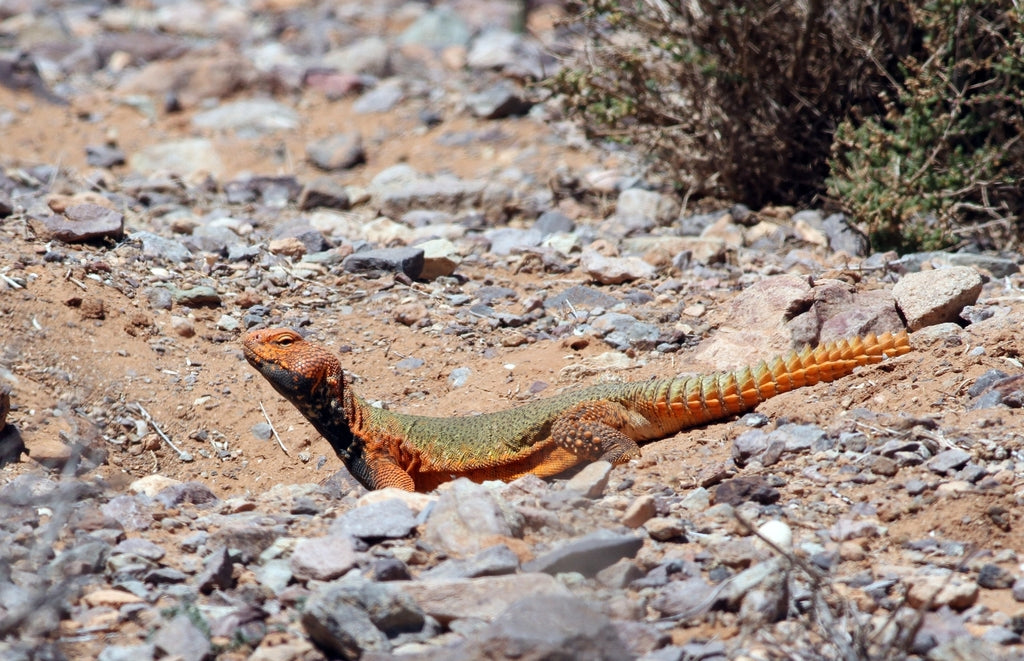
point(594, 430)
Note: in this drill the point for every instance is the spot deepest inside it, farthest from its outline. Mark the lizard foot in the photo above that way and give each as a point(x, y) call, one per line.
point(593, 430)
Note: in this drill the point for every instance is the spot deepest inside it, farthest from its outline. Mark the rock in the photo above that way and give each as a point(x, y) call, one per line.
point(581, 296)
point(196, 297)
point(189, 158)
point(370, 56)
point(948, 461)
point(498, 560)
point(687, 597)
point(844, 237)
point(941, 590)
point(182, 638)
point(386, 519)
point(339, 151)
point(386, 260)
point(934, 297)
point(467, 518)
point(84, 222)
point(157, 247)
point(510, 52)
point(340, 628)
point(553, 222)
point(639, 511)
point(249, 117)
point(381, 98)
point(324, 192)
point(994, 577)
point(497, 101)
point(437, 28)
point(323, 558)
point(547, 627)
point(591, 480)
point(587, 555)
point(440, 258)
point(614, 270)
point(104, 156)
point(656, 207)
point(478, 598)
point(738, 490)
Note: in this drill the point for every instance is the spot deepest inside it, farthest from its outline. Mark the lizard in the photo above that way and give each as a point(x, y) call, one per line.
point(546, 437)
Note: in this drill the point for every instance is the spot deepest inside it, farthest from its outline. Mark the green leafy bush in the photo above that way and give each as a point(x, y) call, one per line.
point(944, 161)
point(906, 112)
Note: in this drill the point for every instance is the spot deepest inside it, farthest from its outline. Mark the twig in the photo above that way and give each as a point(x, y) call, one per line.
point(182, 455)
point(279, 441)
point(10, 281)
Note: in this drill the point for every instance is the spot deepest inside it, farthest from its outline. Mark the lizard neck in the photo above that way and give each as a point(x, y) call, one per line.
point(333, 409)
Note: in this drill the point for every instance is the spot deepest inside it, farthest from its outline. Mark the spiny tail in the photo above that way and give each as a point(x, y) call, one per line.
point(706, 398)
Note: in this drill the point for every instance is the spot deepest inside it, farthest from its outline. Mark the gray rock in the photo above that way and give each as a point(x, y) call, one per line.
point(385, 519)
point(587, 555)
point(187, 158)
point(547, 627)
point(844, 237)
point(478, 598)
point(386, 260)
point(986, 381)
point(326, 193)
point(180, 637)
point(249, 117)
point(459, 377)
point(507, 240)
point(934, 297)
point(553, 222)
point(196, 297)
point(592, 479)
point(129, 511)
point(249, 536)
point(212, 238)
point(370, 56)
point(339, 151)
point(498, 101)
point(948, 460)
point(496, 560)
point(155, 246)
point(994, 577)
point(1018, 589)
point(581, 296)
point(438, 28)
point(217, 571)
point(140, 652)
point(651, 205)
point(511, 52)
point(85, 222)
point(614, 270)
point(323, 558)
point(192, 491)
point(623, 331)
point(340, 628)
point(382, 98)
point(142, 548)
point(467, 517)
point(104, 156)
point(690, 596)
point(999, 267)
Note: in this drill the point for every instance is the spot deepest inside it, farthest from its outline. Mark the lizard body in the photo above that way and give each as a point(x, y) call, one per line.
point(546, 437)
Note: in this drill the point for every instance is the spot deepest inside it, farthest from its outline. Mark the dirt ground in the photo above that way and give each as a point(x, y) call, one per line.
point(75, 378)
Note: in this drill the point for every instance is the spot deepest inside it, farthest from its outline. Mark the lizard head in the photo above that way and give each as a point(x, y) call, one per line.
point(305, 373)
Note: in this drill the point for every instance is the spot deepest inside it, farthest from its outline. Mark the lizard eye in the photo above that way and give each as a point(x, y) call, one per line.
point(285, 341)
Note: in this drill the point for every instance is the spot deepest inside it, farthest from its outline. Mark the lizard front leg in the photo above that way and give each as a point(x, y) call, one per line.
point(379, 471)
point(594, 430)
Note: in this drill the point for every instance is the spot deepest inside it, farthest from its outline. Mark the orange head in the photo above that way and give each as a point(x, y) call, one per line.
point(305, 373)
